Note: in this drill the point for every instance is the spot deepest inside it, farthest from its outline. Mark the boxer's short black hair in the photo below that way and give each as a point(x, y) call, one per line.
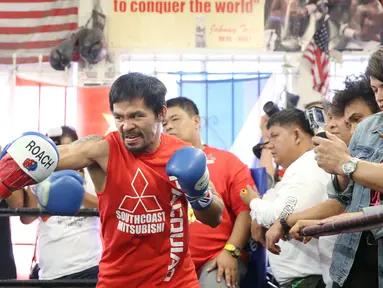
point(288, 117)
point(185, 104)
point(356, 87)
point(132, 86)
point(375, 65)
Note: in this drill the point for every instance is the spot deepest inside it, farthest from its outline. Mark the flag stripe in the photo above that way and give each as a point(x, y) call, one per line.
point(38, 29)
point(54, 20)
point(32, 28)
point(27, 1)
point(22, 60)
point(34, 37)
point(38, 14)
point(26, 52)
point(37, 6)
point(30, 45)
point(317, 55)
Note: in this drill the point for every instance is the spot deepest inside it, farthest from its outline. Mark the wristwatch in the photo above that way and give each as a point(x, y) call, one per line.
point(350, 166)
point(234, 250)
point(286, 228)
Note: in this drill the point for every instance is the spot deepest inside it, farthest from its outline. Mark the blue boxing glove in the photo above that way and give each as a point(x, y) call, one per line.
point(188, 164)
point(62, 193)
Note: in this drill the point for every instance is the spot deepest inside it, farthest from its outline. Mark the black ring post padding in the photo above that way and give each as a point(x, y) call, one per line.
point(7, 212)
point(48, 283)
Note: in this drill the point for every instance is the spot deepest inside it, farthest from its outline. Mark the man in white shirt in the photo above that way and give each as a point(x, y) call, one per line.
point(303, 185)
point(67, 247)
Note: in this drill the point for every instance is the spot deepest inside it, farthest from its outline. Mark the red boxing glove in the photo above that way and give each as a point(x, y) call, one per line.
point(12, 177)
point(28, 160)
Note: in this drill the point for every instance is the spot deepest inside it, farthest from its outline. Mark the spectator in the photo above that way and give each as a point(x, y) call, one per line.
point(336, 123)
point(67, 247)
point(215, 252)
point(303, 185)
point(359, 169)
point(356, 101)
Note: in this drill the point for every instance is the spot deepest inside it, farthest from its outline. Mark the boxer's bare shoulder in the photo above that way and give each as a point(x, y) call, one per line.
point(92, 149)
point(93, 137)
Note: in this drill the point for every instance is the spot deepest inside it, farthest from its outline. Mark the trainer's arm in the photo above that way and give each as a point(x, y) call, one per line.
point(16, 200)
point(29, 202)
point(241, 230)
point(239, 177)
point(211, 216)
point(90, 201)
point(82, 152)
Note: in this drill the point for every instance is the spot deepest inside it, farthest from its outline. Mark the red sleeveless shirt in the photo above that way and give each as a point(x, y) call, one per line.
point(144, 221)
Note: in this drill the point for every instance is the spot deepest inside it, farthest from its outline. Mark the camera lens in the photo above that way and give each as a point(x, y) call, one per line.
point(270, 108)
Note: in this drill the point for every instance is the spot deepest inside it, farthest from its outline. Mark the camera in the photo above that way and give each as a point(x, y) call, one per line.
point(271, 108)
point(257, 149)
point(315, 117)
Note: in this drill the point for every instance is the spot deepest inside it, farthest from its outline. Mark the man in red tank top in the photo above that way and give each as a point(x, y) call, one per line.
point(215, 252)
point(144, 180)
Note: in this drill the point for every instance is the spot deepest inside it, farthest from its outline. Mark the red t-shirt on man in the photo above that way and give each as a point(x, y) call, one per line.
point(144, 224)
point(229, 176)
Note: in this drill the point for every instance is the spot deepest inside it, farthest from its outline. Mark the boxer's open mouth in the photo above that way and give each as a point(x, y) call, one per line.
point(130, 139)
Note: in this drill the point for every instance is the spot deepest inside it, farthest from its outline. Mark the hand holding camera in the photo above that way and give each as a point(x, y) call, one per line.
point(315, 116)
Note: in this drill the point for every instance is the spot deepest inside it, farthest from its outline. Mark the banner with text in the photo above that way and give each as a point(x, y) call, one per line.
point(178, 24)
point(352, 25)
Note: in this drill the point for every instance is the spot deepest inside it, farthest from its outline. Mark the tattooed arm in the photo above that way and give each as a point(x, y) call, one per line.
point(92, 149)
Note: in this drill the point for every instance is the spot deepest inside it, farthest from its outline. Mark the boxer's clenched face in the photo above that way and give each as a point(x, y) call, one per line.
point(377, 87)
point(138, 125)
point(283, 144)
point(180, 124)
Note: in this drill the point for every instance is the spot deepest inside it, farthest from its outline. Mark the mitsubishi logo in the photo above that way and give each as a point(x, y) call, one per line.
point(148, 202)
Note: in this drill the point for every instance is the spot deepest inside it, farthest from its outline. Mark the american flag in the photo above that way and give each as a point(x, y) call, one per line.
point(317, 54)
point(32, 28)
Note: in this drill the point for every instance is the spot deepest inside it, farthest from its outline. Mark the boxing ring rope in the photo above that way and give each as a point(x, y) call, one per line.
point(354, 224)
point(86, 212)
point(348, 225)
point(7, 212)
point(48, 283)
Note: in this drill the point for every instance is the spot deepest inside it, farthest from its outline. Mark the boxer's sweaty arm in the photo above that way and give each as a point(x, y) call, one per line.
point(92, 149)
point(213, 215)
